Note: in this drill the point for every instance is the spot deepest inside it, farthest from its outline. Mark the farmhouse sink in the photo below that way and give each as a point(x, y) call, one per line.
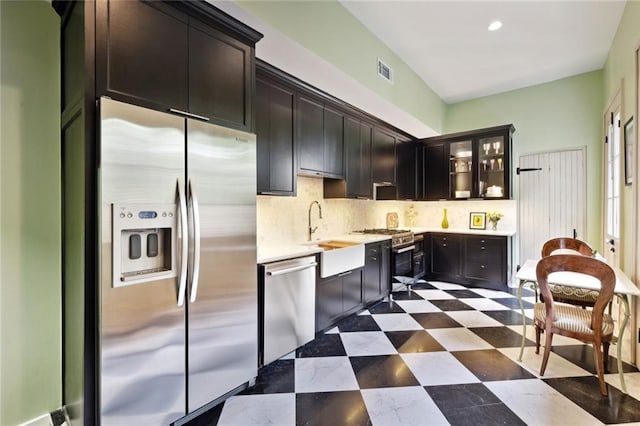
point(339, 256)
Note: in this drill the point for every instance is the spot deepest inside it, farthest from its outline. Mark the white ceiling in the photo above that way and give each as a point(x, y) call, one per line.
point(448, 45)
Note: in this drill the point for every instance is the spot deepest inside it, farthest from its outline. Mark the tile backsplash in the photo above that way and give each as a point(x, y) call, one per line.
point(285, 219)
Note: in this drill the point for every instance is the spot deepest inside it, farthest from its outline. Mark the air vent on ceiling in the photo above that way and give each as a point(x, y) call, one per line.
point(385, 71)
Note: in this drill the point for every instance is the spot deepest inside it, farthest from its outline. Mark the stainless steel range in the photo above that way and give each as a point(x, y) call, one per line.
point(402, 249)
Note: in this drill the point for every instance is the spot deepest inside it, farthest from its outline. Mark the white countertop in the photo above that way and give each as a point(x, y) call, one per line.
point(276, 252)
point(273, 252)
point(499, 232)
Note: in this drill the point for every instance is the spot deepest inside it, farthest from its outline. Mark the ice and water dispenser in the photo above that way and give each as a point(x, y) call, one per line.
point(144, 238)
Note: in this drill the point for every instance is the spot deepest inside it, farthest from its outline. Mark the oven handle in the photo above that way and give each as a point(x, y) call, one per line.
point(404, 249)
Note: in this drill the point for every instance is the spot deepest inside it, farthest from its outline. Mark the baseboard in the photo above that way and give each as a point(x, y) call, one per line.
point(55, 418)
point(43, 420)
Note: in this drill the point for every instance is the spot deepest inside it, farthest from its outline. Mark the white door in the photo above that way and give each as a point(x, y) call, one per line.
point(552, 200)
point(612, 173)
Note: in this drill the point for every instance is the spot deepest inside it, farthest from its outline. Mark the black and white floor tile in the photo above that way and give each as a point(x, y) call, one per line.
point(439, 354)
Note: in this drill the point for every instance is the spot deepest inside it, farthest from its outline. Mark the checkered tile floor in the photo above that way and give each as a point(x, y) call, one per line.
point(440, 354)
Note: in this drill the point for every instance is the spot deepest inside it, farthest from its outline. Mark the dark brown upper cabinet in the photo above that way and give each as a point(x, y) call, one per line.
point(473, 164)
point(320, 139)
point(142, 52)
point(275, 138)
point(333, 140)
point(406, 167)
point(220, 77)
point(159, 55)
point(357, 148)
point(433, 176)
point(383, 151)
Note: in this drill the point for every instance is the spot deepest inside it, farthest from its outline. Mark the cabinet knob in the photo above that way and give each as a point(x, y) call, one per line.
point(374, 258)
point(444, 245)
point(481, 248)
point(482, 241)
point(482, 266)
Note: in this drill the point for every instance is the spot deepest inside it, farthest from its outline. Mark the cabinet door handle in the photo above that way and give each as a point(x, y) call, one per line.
point(188, 114)
point(481, 266)
point(481, 248)
point(374, 258)
point(444, 245)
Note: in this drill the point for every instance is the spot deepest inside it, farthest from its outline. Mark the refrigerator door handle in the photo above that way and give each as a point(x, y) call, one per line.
point(193, 202)
point(184, 229)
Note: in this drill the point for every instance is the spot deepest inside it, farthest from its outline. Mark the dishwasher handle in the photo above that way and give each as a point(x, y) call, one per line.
point(294, 269)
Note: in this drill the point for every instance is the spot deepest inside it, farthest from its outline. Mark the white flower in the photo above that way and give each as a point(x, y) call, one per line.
point(494, 216)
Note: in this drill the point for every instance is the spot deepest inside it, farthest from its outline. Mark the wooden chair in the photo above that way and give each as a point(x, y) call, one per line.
point(573, 296)
point(593, 326)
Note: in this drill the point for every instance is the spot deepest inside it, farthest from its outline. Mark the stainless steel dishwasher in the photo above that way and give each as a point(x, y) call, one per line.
point(289, 306)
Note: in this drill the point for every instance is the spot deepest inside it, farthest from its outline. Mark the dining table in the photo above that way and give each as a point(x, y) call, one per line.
point(624, 289)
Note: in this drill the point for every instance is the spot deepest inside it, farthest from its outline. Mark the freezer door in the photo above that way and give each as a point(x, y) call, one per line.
point(223, 307)
point(142, 328)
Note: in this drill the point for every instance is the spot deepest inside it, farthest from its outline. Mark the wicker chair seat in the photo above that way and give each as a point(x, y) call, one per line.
point(573, 319)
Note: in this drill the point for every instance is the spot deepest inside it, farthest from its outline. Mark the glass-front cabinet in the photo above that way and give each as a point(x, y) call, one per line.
point(461, 169)
point(476, 164)
point(491, 166)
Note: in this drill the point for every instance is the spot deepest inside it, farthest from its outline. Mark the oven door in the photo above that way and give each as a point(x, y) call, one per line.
point(402, 261)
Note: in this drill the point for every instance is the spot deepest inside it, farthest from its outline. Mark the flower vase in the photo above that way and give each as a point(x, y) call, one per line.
point(445, 221)
point(494, 225)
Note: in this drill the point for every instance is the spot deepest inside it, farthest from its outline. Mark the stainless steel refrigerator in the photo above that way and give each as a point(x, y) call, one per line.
point(178, 291)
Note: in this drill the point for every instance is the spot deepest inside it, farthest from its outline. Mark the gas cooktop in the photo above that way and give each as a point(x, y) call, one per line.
point(399, 237)
point(383, 231)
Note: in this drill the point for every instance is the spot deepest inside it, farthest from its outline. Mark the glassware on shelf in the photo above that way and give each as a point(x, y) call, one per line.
point(499, 163)
point(496, 146)
point(492, 162)
point(470, 164)
point(486, 147)
point(484, 164)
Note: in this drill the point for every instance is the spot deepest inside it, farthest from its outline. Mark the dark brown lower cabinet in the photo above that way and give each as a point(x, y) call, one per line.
point(328, 301)
point(473, 260)
point(445, 256)
point(375, 284)
point(485, 260)
point(351, 290)
point(337, 296)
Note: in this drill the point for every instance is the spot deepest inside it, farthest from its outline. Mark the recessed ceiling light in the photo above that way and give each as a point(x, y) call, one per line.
point(495, 25)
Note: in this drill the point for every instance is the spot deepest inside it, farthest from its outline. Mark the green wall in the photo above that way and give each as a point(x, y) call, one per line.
point(30, 289)
point(554, 116)
point(329, 30)
point(620, 67)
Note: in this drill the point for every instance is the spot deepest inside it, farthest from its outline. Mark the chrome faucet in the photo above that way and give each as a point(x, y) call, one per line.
point(315, 228)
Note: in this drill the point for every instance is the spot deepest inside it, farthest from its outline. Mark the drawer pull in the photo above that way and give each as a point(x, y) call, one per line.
point(481, 248)
point(482, 241)
point(374, 258)
point(444, 245)
point(482, 266)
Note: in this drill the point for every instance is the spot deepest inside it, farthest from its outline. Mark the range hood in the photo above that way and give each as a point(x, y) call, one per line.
point(385, 191)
